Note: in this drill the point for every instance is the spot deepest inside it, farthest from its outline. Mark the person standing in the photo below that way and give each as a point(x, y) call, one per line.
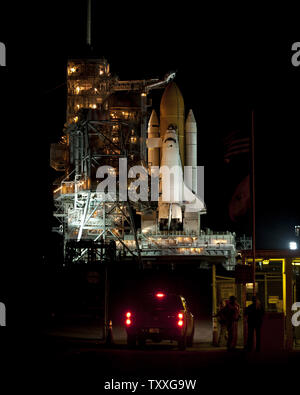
point(222, 323)
point(232, 315)
point(254, 313)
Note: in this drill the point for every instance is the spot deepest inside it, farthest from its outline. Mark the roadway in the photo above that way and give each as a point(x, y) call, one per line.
point(69, 356)
point(211, 367)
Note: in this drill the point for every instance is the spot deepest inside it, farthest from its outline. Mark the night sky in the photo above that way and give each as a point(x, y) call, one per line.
point(226, 67)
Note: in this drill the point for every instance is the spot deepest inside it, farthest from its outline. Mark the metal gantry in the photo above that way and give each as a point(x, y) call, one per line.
point(82, 211)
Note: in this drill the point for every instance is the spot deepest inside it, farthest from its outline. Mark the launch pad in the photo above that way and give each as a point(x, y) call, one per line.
point(109, 120)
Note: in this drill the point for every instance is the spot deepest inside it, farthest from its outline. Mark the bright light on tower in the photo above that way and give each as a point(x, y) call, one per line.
point(293, 245)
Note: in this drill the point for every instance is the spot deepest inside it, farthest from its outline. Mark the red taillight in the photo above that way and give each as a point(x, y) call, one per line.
point(128, 321)
point(180, 321)
point(160, 295)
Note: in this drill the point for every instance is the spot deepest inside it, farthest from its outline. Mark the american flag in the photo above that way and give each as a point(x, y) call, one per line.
point(235, 144)
point(240, 202)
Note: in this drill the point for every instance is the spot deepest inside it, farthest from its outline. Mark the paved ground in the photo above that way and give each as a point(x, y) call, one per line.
point(88, 328)
point(66, 363)
point(70, 354)
point(212, 368)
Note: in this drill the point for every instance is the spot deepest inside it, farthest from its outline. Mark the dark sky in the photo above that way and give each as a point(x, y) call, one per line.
point(226, 67)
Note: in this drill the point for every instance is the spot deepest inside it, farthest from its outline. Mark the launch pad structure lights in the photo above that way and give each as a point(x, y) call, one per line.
point(293, 245)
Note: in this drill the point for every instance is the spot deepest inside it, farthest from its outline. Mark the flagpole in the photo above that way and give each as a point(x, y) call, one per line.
point(253, 202)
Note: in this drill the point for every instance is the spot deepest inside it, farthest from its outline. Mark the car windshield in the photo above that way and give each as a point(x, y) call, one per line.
point(167, 302)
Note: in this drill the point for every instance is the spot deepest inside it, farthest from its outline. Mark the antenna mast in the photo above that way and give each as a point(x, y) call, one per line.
point(89, 23)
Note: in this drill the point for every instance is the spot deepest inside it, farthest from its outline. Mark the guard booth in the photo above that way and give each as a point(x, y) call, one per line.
point(277, 286)
point(223, 288)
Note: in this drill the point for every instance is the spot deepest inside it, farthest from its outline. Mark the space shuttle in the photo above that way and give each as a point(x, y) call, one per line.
point(172, 146)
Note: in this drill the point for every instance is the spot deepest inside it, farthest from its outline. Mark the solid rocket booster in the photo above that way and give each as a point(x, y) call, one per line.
point(191, 150)
point(153, 133)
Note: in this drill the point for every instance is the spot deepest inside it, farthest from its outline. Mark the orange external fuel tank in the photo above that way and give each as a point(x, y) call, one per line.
point(172, 112)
